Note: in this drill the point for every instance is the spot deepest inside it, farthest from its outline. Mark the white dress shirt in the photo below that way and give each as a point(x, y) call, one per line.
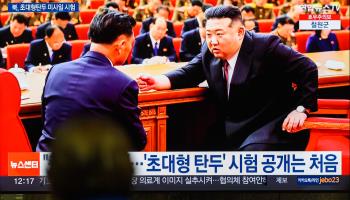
point(231, 67)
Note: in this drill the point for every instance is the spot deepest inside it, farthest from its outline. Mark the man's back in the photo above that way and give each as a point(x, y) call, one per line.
point(90, 86)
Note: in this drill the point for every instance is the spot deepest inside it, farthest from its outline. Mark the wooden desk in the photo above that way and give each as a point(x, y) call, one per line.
point(154, 104)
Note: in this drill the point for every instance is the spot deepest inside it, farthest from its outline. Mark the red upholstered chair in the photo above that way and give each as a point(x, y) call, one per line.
point(94, 4)
point(331, 134)
point(343, 39)
point(212, 2)
point(343, 10)
point(345, 22)
point(33, 28)
point(87, 15)
point(276, 11)
point(16, 54)
point(82, 31)
point(177, 46)
point(4, 16)
point(137, 28)
point(178, 28)
point(13, 137)
point(77, 47)
point(265, 25)
point(301, 38)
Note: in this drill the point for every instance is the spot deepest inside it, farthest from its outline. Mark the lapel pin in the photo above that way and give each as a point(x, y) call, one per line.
point(165, 49)
point(148, 45)
point(45, 54)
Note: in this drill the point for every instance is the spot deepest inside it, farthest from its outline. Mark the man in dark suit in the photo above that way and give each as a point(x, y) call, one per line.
point(16, 33)
point(250, 78)
point(189, 24)
point(162, 11)
point(154, 47)
point(60, 19)
point(192, 42)
point(49, 51)
point(249, 21)
point(73, 89)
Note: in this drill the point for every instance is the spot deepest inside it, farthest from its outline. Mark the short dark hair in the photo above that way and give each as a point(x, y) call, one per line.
point(50, 29)
point(222, 11)
point(285, 20)
point(197, 3)
point(162, 7)
point(63, 16)
point(112, 4)
point(108, 24)
point(247, 9)
point(20, 18)
point(154, 19)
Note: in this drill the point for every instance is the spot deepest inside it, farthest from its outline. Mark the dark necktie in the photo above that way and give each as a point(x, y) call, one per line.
point(52, 56)
point(226, 66)
point(155, 49)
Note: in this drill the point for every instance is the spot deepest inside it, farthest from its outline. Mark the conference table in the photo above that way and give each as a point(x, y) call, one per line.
point(154, 104)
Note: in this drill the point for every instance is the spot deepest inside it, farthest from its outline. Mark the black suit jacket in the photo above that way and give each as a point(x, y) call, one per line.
point(69, 32)
point(189, 24)
point(6, 37)
point(148, 21)
point(39, 54)
point(261, 92)
point(191, 45)
point(143, 48)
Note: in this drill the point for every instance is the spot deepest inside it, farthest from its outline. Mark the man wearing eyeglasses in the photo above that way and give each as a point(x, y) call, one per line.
point(48, 51)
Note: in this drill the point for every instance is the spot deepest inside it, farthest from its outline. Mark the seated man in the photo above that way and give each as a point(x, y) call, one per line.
point(60, 19)
point(249, 21)
point(186, 9)
point(143, 12)
point(16, 33)
point(263, 10)
point(285, 31)
point(293, 13)
point(154, 47)
point(48, 51)
point(162, 11)
point(192, 23)
point(192, 42)
point(73, 89)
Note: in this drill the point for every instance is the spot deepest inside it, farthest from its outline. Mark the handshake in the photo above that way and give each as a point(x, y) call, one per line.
point(156, 60)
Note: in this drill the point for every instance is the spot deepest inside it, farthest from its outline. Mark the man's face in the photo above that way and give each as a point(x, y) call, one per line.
point(16, 28)
point(56, 40)
point(163, 13)
point(224, 37)
point(158, 30)
point(288, 28)
point(194, 11)
point(248, 15)
point(61, 23)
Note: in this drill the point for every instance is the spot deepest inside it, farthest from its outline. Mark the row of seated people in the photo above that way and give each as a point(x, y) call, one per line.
point(149, 9)
point(153, 47)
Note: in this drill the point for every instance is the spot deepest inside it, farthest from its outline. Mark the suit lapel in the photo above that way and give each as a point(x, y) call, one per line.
point(243, 64)
point(149, 45)
point(45, 52)
point(198, 38)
